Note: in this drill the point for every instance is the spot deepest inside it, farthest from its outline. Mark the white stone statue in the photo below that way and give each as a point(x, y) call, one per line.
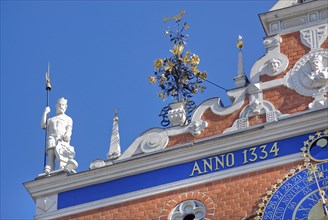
point(318, 77)
point(59, 131)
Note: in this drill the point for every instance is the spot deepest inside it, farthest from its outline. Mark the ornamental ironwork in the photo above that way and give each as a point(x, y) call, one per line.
point(178, 76)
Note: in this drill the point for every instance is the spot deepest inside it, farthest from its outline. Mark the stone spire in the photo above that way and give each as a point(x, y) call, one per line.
point(241, 79)
point(114, 148)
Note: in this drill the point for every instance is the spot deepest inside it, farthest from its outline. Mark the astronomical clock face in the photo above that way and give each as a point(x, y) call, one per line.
point(303, 192)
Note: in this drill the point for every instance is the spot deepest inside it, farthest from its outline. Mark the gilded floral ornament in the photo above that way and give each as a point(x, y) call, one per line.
point(178, 76)
point(203, 75)
point(152, 79)
point(195, 59)
point(177, 49)
point(162, 96)
point(158, 63)
point(169, 66)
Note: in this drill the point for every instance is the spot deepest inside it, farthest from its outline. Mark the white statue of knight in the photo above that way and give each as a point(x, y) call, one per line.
point(59, 131)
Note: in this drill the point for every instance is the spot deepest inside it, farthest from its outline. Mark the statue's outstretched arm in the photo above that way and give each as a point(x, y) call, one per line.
point(44, 117)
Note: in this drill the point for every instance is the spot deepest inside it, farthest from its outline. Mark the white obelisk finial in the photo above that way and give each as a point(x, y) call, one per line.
point(241, 79)
point(114, 148)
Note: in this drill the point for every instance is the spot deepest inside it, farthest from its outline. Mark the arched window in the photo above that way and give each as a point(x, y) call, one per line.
point(188, 210)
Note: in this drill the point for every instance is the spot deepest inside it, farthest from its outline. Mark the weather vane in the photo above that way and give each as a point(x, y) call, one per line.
point(177, 17)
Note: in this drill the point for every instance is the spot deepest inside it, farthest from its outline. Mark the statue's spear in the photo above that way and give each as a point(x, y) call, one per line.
point(48, 88)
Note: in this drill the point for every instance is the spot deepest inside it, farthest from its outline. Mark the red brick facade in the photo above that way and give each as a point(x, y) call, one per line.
point(286, 100)
point(231, 198)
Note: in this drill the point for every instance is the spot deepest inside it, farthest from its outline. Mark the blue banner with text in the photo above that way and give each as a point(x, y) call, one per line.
point(192, 169)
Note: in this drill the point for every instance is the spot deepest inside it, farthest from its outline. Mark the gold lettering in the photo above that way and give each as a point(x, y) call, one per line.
point(230, 159)
point(196, 169)
point(245, 156)
point(274, 149)
point(219, 161)
point(252, 150)
point(264, 152)
point(207, 164)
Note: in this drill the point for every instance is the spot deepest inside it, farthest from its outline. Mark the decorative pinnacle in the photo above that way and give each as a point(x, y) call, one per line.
point(240, 42)
point(48, 85)
point(114, 147)
point(115, 114)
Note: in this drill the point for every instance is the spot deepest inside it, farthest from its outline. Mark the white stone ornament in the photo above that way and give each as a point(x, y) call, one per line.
point(188, 208)
point(59, 131)
point(177, 114)
point(272, 43)
point(273, 63)
point(46, 204)
point(256, 107)
point(319, 102)
point(309, 77)
point(97, 164)
point(154, 141)
point(315, 36)
point(114, 147)
point(197, 127)
point(150, 141)
point(274, 66)
point(317, 77)
point(256, 98)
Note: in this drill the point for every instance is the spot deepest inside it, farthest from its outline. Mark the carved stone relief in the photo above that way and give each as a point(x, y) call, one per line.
point(154, 141)
point(309, 77)
point(150, 141)
point(256, 98)
point(255, 108)
point(177, 114)
point(197, 127)
point(242, 123)
point(315, 36)
point(46, 204)
point(266, 108)
point(273, 63)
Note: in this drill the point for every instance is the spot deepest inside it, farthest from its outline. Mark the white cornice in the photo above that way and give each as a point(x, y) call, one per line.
point(287, 127)
point(295, 18)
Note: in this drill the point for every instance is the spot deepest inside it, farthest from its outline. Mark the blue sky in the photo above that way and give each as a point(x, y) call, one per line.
point(101, 54)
